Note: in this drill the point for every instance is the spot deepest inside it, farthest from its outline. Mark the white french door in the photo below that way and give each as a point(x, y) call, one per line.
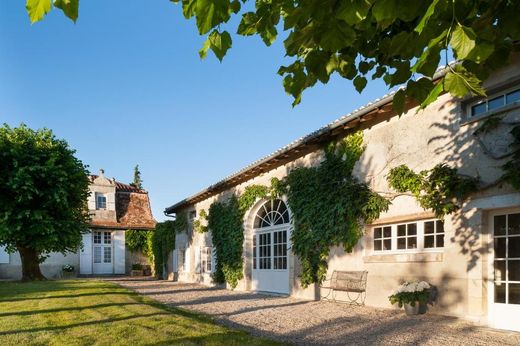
point(103, 253)
point(504, 283)
point(270, 260)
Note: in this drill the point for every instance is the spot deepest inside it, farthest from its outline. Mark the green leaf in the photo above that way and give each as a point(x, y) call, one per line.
point(203, 52)
point(399, 101)
point(210, 13)
point(460, 82)
point(337, 36)
point(353, 11)
point(432, 96)
point(37, 9)
point(424, 20)
point(69, 7)
point(360, 83)
point(189, 8)
point(481, 52)
point(386, 12)
point(462, 41)
point(219, 43)
point(248, 24)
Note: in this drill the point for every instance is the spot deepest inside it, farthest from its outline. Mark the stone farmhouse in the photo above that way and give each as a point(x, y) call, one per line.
point(114, 208)
point(472, 256)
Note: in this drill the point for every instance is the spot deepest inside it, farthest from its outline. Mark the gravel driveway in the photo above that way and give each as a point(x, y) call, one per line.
point(316, 322)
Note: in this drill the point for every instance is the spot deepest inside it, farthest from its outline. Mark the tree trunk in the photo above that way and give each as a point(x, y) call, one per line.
point(30, 264)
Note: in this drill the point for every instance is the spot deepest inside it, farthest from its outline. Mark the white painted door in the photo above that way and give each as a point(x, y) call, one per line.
point(102, 254)
point(504, 284)
point(270, 260)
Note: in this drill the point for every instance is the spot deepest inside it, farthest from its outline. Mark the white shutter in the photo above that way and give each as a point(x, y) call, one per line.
point(119, 252)
point(4, 256)
point(187, 268)
point(111, 201)
point(197, 259)
point(85, 257)
point(175, 261)
point(180, 260)
point(213, 259)
point(92, 201)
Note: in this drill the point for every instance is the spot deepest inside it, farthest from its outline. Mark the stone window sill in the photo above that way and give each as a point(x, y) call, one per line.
point(404, 257)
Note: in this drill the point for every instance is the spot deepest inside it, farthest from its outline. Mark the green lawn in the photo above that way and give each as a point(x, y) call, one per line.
point(87, 312)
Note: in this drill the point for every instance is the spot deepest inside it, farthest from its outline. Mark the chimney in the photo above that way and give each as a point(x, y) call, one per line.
point(102, 173)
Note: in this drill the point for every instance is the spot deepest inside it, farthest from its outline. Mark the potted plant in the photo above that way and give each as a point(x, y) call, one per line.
point(413, 296)
point(137, 269)
point(67, 271)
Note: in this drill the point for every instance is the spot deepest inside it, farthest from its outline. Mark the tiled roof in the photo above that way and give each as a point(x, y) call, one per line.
point(379, 108)
point(121, 186)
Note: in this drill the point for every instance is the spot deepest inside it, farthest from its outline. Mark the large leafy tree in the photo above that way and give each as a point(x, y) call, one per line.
point(399, 41)
point(43, 196)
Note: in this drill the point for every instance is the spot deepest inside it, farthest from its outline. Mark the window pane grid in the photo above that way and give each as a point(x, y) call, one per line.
point(496, 102)
point(407, 236)
point(264, 251)
point(280, 250)
point(506, 239)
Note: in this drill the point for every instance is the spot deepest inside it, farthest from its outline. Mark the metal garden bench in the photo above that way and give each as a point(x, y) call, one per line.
point(353, 283)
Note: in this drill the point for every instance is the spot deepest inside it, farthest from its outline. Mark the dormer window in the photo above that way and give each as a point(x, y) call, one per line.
point(101, 201)
point(192, 215)
point(494, 103)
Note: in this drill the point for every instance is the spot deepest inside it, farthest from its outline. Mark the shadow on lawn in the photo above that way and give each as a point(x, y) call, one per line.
point(78, 295)
point(79, 308)
point(82, 324)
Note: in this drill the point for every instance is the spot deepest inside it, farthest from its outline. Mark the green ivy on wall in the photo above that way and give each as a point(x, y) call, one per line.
point(512, 167)
point(328, 203)
point(329, 206)
point(136, 240)
point(440, 188)
point(163, 241)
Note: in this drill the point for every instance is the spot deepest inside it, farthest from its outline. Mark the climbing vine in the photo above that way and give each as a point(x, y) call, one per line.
point(441, 188)
point(226, 222)
point(140, 241)
point(329, 205)
point(512, 167)
point(163, 241)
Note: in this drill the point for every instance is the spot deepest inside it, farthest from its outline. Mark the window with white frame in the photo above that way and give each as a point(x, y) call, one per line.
point(192, 215)
point(206, 259)
point(101, 201)
point(494, 102)
point(409, 236)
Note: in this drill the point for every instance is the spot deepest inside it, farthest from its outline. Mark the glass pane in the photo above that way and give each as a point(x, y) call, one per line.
point(440, 240)
point(377, 245)
point(387, 244)
point(412, 243)
point(107, 237)
point(500, 247)
point(513, 96)
point(514, 247)
point(514, 223)
point(513, 270)
point(97, 237)
point(440, 226)
point(387, 231)
point(285, 263)
point(514, 294)
point(500, 292)
point(429, 241)
point(429, 227)
point(107, 255)
point(412, 229)
point(285, 236)
point(377, 233)
point(97, 255)
point(500, 225)
point(495, 103)
point(478, 109)
point(401, 230)
point(500, 270)
point(401, 243)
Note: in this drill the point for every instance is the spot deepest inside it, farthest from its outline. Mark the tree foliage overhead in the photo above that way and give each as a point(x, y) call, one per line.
point(43, 196)
point(398, 41)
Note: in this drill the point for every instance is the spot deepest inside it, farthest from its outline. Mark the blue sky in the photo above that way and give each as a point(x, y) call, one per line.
point(125, 86)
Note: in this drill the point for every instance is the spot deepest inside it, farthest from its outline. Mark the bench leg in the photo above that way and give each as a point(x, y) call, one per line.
point(330, 294)
point(359, 300)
